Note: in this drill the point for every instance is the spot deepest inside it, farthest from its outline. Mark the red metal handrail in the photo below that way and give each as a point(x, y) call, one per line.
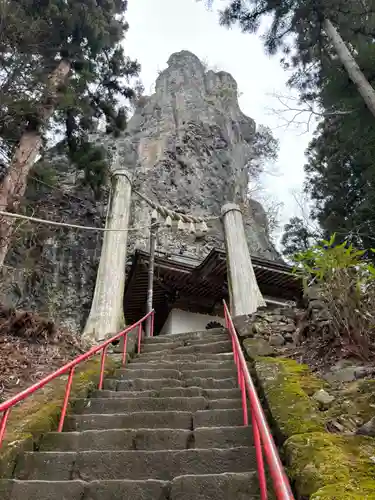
point(6, 407)
point(261, 432)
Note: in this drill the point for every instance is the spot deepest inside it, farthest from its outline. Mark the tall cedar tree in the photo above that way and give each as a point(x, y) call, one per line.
point(61, 60)
point(340, 172)
point(297, 237)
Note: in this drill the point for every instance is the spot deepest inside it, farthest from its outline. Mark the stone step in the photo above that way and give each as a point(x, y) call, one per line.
point(121, 439)
point(106, 465)
point(222, 437)
point(218, 418)
point(176, 348)
point(225, 403)
point(171, 392)
point(158, 384)
point(201, 334)
point(131, 420)
point(154, 373)
point(147, 439)
point(180, 358)
point(184, 365)
point(81, 490)
point(226, 486)
point(204, 338)
point(140, 384)
point(187, 342)
point(125, 405)
point(211, 383)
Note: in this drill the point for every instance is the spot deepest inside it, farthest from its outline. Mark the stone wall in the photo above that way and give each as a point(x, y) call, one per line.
point(323, 424)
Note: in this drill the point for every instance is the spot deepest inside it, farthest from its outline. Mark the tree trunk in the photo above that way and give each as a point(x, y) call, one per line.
point(245, 296)
point(348, 61)
point(106, 316)
point(14, 184)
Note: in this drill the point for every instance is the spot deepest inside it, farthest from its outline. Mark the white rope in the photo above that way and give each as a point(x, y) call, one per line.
point(165, 212)
point(74, 226)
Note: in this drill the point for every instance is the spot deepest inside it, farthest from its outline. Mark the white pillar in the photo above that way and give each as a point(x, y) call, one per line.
point(245, 295)
point(107, 310)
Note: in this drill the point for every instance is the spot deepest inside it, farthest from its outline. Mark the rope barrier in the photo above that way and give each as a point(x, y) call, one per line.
point(73, 226)
point(178, 216)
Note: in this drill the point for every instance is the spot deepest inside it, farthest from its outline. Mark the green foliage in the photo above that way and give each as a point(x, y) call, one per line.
point(87, 34)
point(346, 280)
point(325, 259)
point(92, 161)
point(340, 170)
point(297, 237)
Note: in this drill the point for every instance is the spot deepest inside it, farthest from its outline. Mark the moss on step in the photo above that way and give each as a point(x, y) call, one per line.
point(330, 466)
point(287, 385)
point(40, 413)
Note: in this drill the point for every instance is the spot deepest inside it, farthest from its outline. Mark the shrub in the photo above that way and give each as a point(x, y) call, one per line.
point(346, 280)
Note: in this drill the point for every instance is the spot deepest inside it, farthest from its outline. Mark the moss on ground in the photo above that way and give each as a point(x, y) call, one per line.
point(355, 401)
point(40, 413)
point(330, 466)
point(287, 386)
point(321, 465)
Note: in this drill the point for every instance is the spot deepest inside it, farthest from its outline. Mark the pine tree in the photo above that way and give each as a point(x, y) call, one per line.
point(74, 70)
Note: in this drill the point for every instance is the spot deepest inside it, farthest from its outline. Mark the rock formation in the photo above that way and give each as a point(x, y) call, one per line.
point(187, 146)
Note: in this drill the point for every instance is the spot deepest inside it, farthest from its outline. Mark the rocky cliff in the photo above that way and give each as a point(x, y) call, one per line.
point(188, 147)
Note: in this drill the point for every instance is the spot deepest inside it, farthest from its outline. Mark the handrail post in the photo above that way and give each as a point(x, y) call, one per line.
point(244, 400)
point(259, 458)
point(3, 424)
point(152, 323)
point(102, 364)
point(66, 400)
point(125, 339)
point(139, 338)
point(6, 406)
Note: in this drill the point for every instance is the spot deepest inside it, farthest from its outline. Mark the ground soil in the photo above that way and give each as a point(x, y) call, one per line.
point(31, 347)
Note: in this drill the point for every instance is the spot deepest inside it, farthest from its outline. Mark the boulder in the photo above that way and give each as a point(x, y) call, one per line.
point(323, 398)
point(258, 347)
point(368, 429)
point(276, 340)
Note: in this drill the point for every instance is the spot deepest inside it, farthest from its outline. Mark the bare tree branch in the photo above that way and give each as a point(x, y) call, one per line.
point(293, 111)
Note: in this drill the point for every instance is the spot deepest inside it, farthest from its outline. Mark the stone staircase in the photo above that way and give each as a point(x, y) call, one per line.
point(167, 427)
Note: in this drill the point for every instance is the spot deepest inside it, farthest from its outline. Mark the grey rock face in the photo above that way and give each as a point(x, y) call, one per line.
point(188, 147)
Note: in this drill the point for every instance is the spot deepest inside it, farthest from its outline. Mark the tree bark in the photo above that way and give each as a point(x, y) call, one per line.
point(14, 184)
point(107, 308)
point(351, 66)
point(245, 296)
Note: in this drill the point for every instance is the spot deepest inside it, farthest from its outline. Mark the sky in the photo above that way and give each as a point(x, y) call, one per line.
point(160, 27)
